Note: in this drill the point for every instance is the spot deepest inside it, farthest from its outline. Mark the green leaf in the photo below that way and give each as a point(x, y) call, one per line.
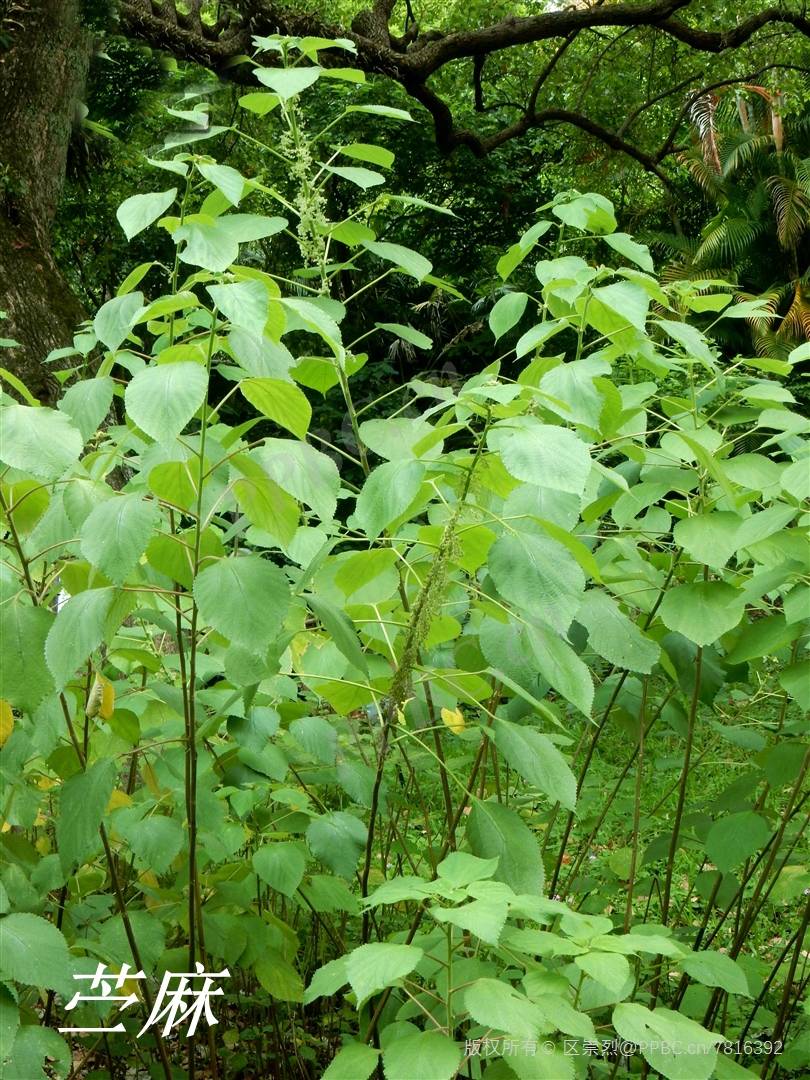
point(213, 243)
point(139, 211)
point(407, 333)
point(116, 532)
point(430, 1055)
point(496, 831)
point(632, 251)
point(507, 312)
point(259, 355)
point(795, 479)
point(387, 493)
point(702, 611)
point(227, 179)
point(734, 838)
point(460, 869)
point(375, 155)
point(82, 802)
point(319, 316)
point(281, 866)
point(499, 1006)
point(344, 74)
point(527, 653)
point(286, 83)
point(709, 538)
point(245, 304)
point(148, 930)
point(613, 635)
point(518, 252)
point(36, 1049)
point(795, 679)
point(381, 110)
point(156, 840)
point(398, 889)
point(162, 399)
point(304, 472)
point(801, 352)
point(691, 340)
point(115, 319)
point(588, 213)
point(551, 457)
point(259, 102)
point(484, 918)
point(317, 736)
point(25, 678)
point(282, 402)
point(35, 953)
point(76, 632)
point(614, 308)
point(9, 1015)
point(537, 760)
point(245, 598)
point(363, 178)
point(278, 977)
point(402, 437)
point(41, 442)
point(370, 968)
point(354, 1061)
point(327, 980)
point(763, 637)
point(337, 839)
point(559, 1011)
point(340, 629)
point(264, 502)
point(716, 969)
point(612, 970)
point(689, 1050)
point(352, 233)
point(536, 335)
point(538, 575)
point(411, 262)
point(87, 403)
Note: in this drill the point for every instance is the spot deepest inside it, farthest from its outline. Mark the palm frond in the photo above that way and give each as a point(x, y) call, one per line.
point(702, 113)
point(795, 326)
point(727, 242)
point(703, 175)
point(741, 151)
point(791, 206)
point(672, 243)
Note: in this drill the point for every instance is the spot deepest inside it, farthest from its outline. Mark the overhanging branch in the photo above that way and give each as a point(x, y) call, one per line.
point(414, 58)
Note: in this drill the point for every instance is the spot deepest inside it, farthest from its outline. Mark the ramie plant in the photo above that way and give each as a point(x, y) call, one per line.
point(339, 737)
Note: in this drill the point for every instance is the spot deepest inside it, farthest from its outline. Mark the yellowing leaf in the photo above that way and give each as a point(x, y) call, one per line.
point(6, 721)
point(151, 781)
point(107, 700)
point(118, 799)
point(131, 986)
point(454, 720)
point(101, 699)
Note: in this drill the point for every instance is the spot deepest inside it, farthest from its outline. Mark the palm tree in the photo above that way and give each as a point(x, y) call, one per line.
point(754, 166)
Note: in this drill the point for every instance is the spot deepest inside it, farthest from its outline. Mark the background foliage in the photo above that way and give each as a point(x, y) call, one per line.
point(441, 700)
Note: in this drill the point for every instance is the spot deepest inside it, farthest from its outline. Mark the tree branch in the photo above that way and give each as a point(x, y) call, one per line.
point(412, 59)
point(717, 41)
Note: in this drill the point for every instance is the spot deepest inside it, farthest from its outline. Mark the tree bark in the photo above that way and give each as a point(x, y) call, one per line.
point(42, 74)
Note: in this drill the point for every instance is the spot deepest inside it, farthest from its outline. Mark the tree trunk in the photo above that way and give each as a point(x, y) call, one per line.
point(42, 74)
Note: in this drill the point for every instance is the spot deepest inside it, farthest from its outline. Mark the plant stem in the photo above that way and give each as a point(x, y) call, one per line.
point(628, 910)
point(82, 759)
